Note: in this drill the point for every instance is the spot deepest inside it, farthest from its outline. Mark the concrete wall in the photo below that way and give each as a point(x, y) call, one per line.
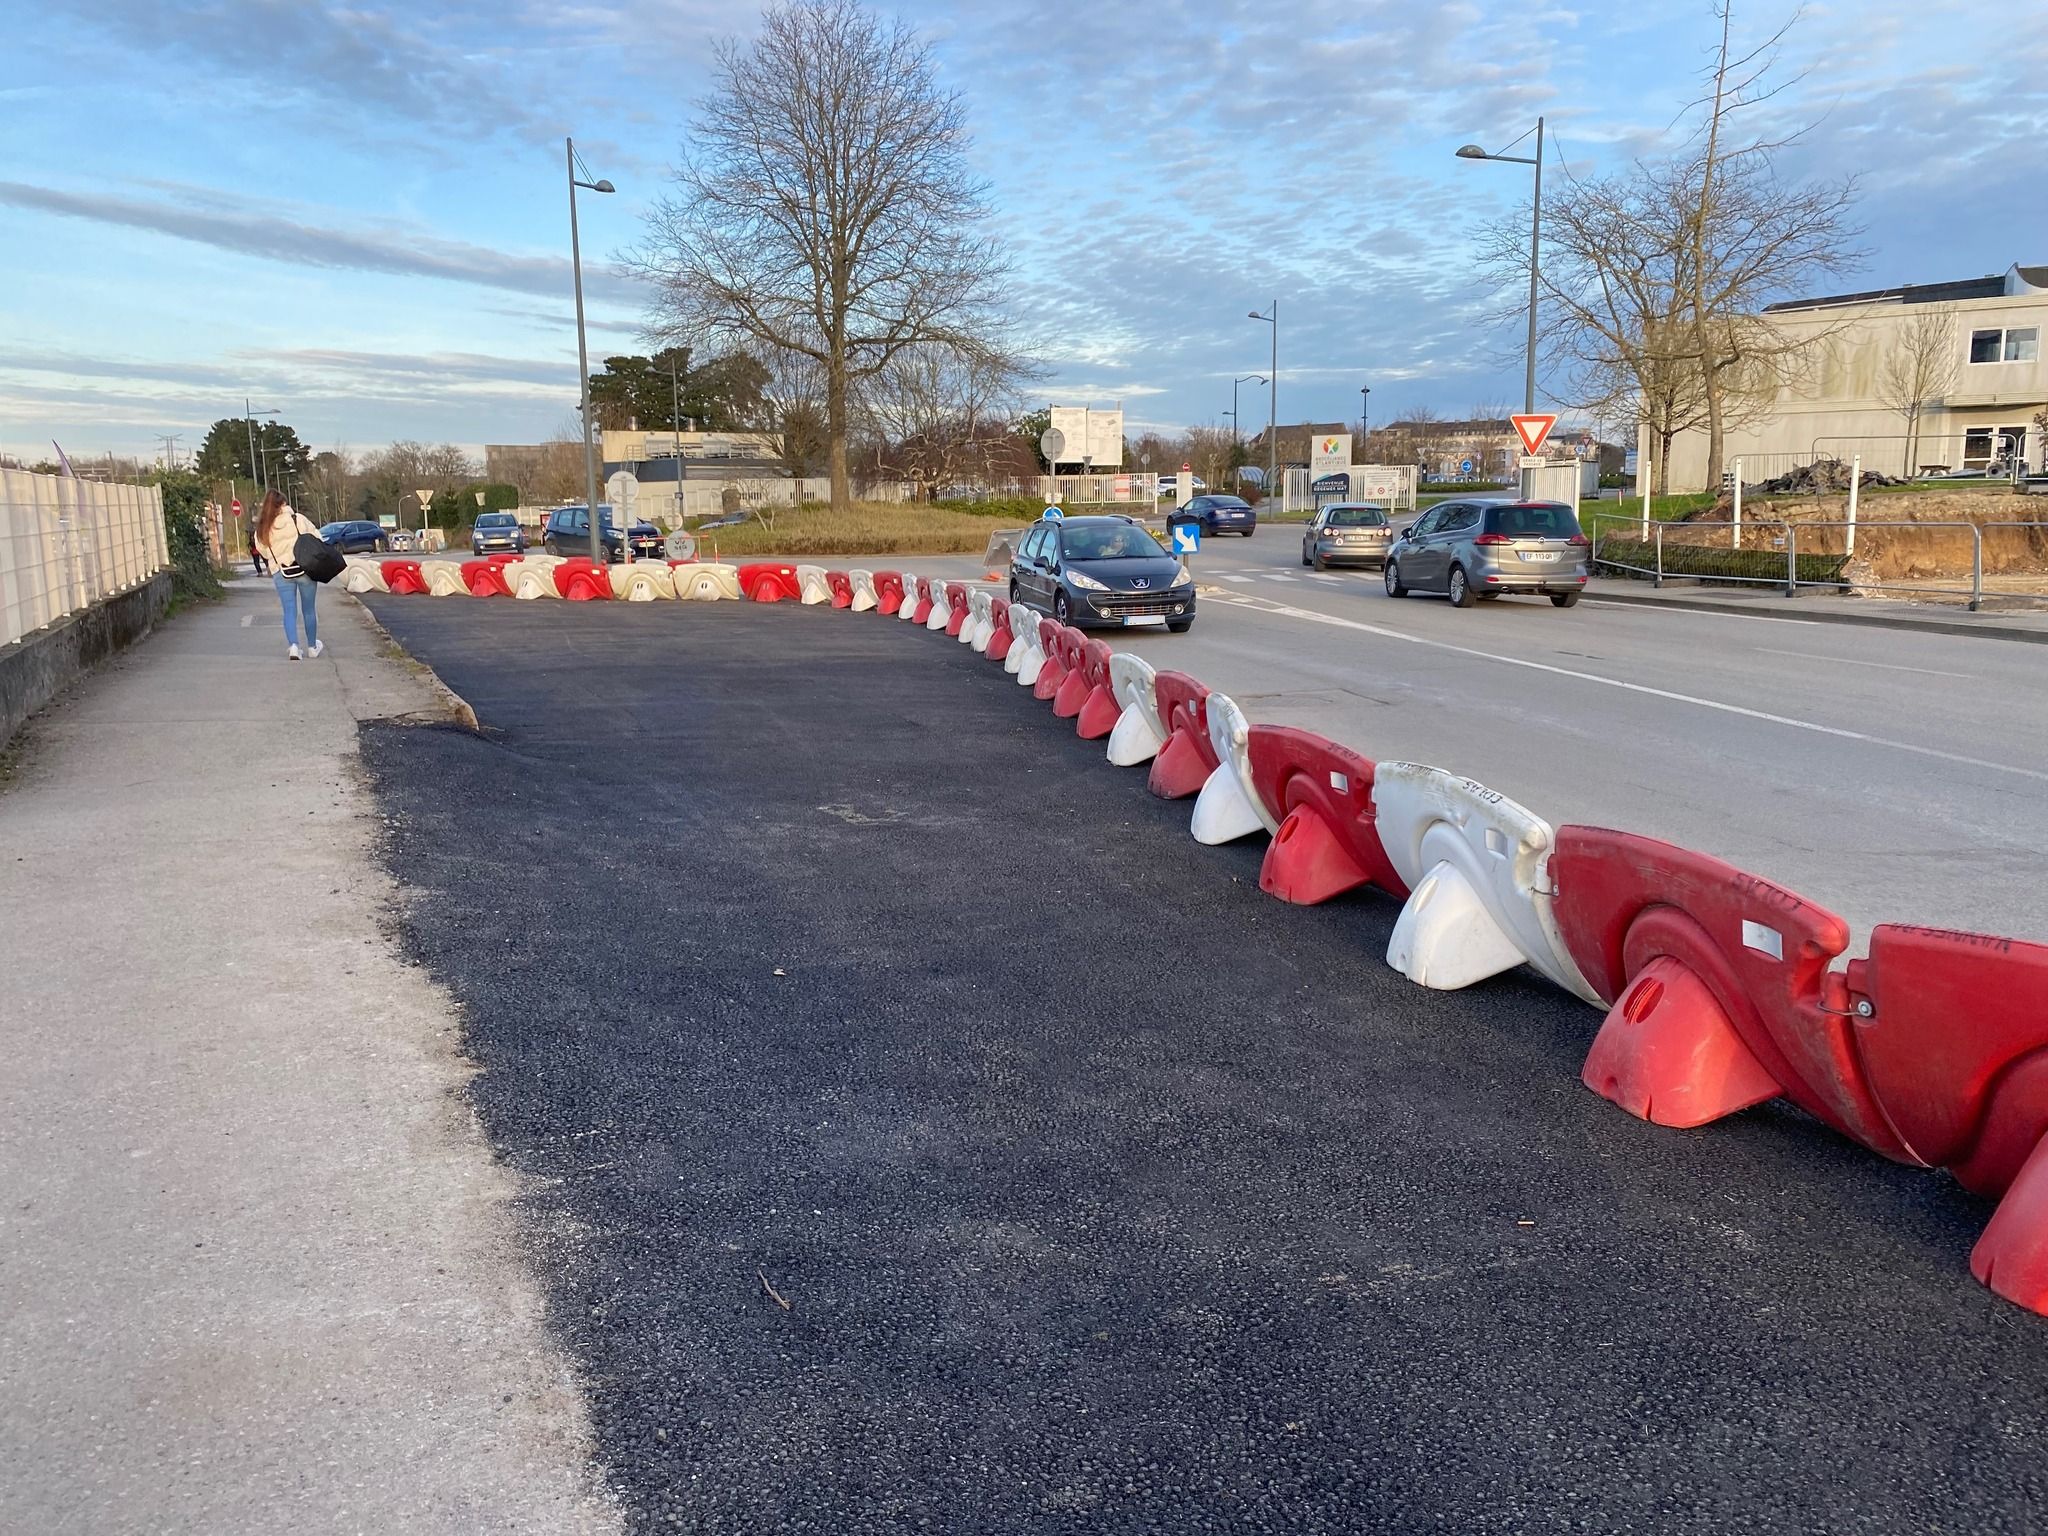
point(37, 667)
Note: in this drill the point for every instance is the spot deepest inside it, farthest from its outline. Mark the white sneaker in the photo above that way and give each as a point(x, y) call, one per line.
point(318, 647)
point(292, 653)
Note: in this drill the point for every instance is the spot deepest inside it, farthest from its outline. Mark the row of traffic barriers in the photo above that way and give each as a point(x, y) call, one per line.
point(1720, 989)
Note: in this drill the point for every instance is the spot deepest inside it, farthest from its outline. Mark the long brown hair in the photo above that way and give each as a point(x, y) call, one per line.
point(273, 503)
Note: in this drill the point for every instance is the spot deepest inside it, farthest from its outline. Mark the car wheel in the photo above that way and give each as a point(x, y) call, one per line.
point(1390, 573)
point(383, 546)
point(1564, 599)
point(548, 545)
point(1249, 532)
point(1460, 588)
point(1304, 554)
point(1060, 609)
point(1181, 626)
point(1013, 592)
point(1319, 562)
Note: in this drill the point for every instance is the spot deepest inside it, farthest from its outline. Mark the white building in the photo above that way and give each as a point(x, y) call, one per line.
point(1995, 382)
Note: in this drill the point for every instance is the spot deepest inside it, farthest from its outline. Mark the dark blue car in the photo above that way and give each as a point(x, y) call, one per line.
point(1096, 571)
point(1223, 514)
point(355, 537)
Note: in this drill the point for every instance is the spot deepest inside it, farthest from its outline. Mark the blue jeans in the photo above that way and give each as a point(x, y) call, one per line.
point(295, 595)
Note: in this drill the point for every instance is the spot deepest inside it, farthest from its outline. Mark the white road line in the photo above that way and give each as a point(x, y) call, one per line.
point(1230, 576)
point(1267, 605)
point(1883, 666)
point(1278, 576)
point(248, 619)
point(1323, 576)
point(1707, 613)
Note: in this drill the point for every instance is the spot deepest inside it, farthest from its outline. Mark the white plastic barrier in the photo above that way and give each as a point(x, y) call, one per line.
point(1478, 866)
point(942, 608)
point(363, 575)
point(1034, 651)
point(811, 585)
point(865, 597)
point(907, 610)
point(443, 578)
point(1228, 806)
point(533, 577)
point(642, 582)
point(1138, 735)
point(980, 627)
point(706, 583)
point(1023, 637)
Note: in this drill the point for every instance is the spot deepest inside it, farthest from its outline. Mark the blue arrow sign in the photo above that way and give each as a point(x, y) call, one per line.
point(1187, 538)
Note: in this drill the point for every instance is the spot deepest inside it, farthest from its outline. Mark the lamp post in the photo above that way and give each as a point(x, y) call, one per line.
point(1474, 152)
point(249, 421)
point(1364, 416)
point(583, 365)
point(1273, 397)
point(1240, 379)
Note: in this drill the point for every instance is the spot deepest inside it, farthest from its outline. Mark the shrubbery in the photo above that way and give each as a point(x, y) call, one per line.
point(192, 573)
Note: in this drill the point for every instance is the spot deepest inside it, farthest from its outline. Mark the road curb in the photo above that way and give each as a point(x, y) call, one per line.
point(458, 706)
point(1865, 620)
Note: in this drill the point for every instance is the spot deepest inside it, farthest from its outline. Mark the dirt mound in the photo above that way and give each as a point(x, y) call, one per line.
point(1822, 475)
point(1916, 536)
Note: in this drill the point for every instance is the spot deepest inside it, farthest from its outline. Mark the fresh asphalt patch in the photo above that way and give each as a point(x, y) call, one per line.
point(802, 950)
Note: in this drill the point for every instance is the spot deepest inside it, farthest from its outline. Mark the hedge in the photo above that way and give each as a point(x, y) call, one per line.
point(1757, 565)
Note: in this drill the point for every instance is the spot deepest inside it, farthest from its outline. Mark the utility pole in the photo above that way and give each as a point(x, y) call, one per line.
point(676, 408)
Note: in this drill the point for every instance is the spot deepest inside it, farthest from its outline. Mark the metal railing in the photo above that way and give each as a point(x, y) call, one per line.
point(66, 543)
point(1768, 553)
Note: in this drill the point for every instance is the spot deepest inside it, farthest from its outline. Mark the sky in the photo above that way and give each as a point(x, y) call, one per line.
point(355, 218)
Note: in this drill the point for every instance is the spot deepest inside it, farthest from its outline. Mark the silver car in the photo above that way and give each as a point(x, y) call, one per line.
point(1471, 550)
point(1347, 533)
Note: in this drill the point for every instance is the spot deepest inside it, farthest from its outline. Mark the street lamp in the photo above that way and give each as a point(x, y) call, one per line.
point(1273, 398)
point(1364, 416)
point(1240, 379)
point(249, 421)
point(583, 363)
point(1474, 152)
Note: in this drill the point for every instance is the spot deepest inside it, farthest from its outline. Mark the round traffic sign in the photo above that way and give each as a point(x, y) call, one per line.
point(681, 546)
point(1052, 442)
point(1052, 514)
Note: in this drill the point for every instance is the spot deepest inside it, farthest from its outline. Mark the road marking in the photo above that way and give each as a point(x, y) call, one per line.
point(248, 619)
point(1706, 613)
point(1884, 666)
point(1267, 605)
point(1321, 576)
point(1278, 576)
point(1231, 576)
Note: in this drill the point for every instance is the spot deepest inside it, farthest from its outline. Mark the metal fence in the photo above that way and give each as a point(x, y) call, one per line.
point(67, 543)
point(1816, 554)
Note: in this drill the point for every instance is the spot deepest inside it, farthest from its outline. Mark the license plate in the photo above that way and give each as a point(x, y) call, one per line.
point(1144, 621)
point(1539, 555)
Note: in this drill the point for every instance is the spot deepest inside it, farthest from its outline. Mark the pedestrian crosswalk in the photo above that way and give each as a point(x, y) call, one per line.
point(1244, 578)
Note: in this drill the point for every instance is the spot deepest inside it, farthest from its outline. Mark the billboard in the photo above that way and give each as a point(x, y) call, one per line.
point(1093, 436)
point(1329, 452)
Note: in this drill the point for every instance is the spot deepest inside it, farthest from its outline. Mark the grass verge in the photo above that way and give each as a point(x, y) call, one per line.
point(866, 528)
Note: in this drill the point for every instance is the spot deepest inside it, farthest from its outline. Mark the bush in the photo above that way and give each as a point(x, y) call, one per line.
point(1017, 509)
point(499, 498)
point(192, 573)
point(1694, 560)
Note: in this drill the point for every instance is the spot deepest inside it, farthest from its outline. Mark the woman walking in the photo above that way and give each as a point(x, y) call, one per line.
point(277, 532)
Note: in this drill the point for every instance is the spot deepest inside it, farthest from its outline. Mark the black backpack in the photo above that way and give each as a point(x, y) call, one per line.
point(317, 558)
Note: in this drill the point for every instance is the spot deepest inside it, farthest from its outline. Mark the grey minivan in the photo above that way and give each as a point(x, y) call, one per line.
point(1479, 549)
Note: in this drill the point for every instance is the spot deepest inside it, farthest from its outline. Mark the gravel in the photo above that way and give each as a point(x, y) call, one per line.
point(1149, 1204)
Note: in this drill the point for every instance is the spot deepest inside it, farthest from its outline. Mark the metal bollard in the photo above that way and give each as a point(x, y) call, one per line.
point(1976, 567)
point(1791, 560)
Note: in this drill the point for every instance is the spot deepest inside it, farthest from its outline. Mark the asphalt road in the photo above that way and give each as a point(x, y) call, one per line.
point(1893, 777)
point(1132, 1200)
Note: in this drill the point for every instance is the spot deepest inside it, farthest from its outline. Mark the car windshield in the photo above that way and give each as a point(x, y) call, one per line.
point(331, 529)
point(1113, 541)
point(1356, 517)
point(497, 520)
point(1543, 520)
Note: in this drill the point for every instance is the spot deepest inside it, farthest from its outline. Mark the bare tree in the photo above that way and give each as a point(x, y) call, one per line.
point(1919, 367)
point(939, 413)
point(826, 208)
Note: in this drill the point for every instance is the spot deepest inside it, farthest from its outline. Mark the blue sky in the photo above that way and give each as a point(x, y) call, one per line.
point(358, 216)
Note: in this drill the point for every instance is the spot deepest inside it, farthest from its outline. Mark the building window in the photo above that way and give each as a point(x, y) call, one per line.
point(2019, 345)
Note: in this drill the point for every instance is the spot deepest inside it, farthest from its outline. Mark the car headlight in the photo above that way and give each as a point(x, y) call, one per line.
point(1180, 575)
point(1085, 582)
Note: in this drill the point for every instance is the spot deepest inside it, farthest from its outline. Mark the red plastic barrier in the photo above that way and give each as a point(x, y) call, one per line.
point(1072, 692)
point(1002, 639)
point(888, 591)
point(1329, 839)
point(842, 588)
point(925, 598)
point(1718, 985)
point(956, 607)
point(770, 582)
point(1953, 1033)
point(1054, 673)
point(1099, 710)
point(583, 580)
point(1184, 764)
point(485, 578)
point(404, 576)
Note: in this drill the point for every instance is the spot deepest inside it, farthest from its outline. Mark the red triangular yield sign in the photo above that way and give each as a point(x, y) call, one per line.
point(1533, 430)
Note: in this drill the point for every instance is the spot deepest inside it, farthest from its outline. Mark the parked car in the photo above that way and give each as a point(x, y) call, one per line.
point(355, 537)
point(1169, 485)
point(568, 533)
point(1347, 533)
point(1479, 549)
point(1223, 514)
point(1096, 571)
point(497, 531)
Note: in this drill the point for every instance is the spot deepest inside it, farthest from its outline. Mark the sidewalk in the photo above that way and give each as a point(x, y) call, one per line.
point(2026, 624)
point(258, 1268)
